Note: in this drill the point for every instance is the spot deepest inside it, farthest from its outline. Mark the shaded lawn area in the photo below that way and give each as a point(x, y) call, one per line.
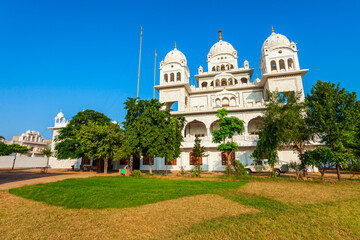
point(118, 192)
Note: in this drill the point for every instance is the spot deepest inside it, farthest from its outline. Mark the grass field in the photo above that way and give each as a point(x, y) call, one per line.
point(172, 209)
point(118, 192)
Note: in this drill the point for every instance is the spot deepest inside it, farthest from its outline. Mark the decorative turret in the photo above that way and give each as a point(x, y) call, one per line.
point(278, 55)
point(174, 69)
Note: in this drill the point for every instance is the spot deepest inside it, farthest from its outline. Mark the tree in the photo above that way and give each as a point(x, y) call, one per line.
point(333, 114)
point(100, 141)
point(284, 125)
point(67, 144)
point(171, 136)
point(4, 149)
point(228, 127)
point(150, 131)
point(47, 152)
point(16, 148)
point(198, 151)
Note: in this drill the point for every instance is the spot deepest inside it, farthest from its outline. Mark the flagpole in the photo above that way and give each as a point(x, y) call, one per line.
point(155, 72)
point(137, 95)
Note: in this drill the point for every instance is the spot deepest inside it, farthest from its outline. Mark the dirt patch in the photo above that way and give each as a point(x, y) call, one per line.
point(301, 193)
point(21, 218)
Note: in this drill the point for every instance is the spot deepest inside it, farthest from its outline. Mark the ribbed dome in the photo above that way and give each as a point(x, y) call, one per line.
point(175, 56)
point(221, 47)
point(276, 40)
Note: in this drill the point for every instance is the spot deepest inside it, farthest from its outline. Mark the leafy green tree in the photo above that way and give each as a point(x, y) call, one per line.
point(198, 151)
point(228, 127)
point(284, 124)
point(150, 131)
point(67, 144)
point(172, 137)
point(333, 114)
point(295, 166)
point(16, 148)
point(100, 141)
point(5, 149)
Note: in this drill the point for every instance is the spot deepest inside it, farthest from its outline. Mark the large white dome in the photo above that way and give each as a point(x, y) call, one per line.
point(175, 56)
point(276, 40)
point(221, 47)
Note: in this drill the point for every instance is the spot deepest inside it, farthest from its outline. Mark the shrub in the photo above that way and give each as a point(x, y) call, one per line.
point(197, 171)
point(182, 170)
point(136, 173)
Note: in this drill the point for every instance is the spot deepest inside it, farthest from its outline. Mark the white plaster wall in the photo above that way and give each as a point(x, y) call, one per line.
point(22, 162)
point(64, 163)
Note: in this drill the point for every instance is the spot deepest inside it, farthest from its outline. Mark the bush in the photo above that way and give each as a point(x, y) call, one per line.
point(295, 166)
point(182, 170)
point(197, 171)
point(136, 173)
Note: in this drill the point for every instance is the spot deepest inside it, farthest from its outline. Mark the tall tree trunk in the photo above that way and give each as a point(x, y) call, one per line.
point(338, 172)
point(131, 162)
point(322, 171)
point(47, 164)
point(13, 166)
point(166, 166)
point(229, 163)
point(150, 167)
point(106, 163)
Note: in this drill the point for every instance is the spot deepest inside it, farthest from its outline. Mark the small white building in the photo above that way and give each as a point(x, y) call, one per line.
point(32, 140)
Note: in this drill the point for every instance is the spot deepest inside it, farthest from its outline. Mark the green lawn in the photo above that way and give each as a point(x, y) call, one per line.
point(118, 192)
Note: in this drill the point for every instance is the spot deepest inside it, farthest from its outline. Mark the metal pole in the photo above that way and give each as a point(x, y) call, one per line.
point(137, 95)
point(154, 73)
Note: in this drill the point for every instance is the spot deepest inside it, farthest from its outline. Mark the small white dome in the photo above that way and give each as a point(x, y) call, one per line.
point(175, 56)
point(276, 40)
point(221, 47)
point(60, 115)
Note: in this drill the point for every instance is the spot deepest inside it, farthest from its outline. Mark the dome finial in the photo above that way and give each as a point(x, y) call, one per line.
point(257, 75)
point(175, 45)
point(220, 37)
point(272, 29)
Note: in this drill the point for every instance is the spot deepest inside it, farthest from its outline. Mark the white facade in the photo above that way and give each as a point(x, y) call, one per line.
point(61, 122)
point(32, 140)
point(226, 85)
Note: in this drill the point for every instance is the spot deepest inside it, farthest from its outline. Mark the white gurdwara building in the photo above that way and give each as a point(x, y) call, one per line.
point(226, 85)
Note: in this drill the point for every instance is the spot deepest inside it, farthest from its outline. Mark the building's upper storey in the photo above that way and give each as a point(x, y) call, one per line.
point(279, 68)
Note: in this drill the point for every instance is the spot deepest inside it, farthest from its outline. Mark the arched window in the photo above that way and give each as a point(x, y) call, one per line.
point(217, 102)
point(223, 82)
point(230, 81)
point(232, 66)
point(166, 77)
point(212, 84)
point(186, 102)
point(225, 102)
point(236, 81)
point(222, 68)
point(227, 67)
point(243, 81)
point(290, 64)
point(255, 125)
point(232, 101)
point(178, 76)
point(172, 77)
point(217, 83)
point(217, 68)
point(273, 66)
point(282, 65)
point(204, 84)
point(213, 69)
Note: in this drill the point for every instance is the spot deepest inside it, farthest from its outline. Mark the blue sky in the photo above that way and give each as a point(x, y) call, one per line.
point(70, 54)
